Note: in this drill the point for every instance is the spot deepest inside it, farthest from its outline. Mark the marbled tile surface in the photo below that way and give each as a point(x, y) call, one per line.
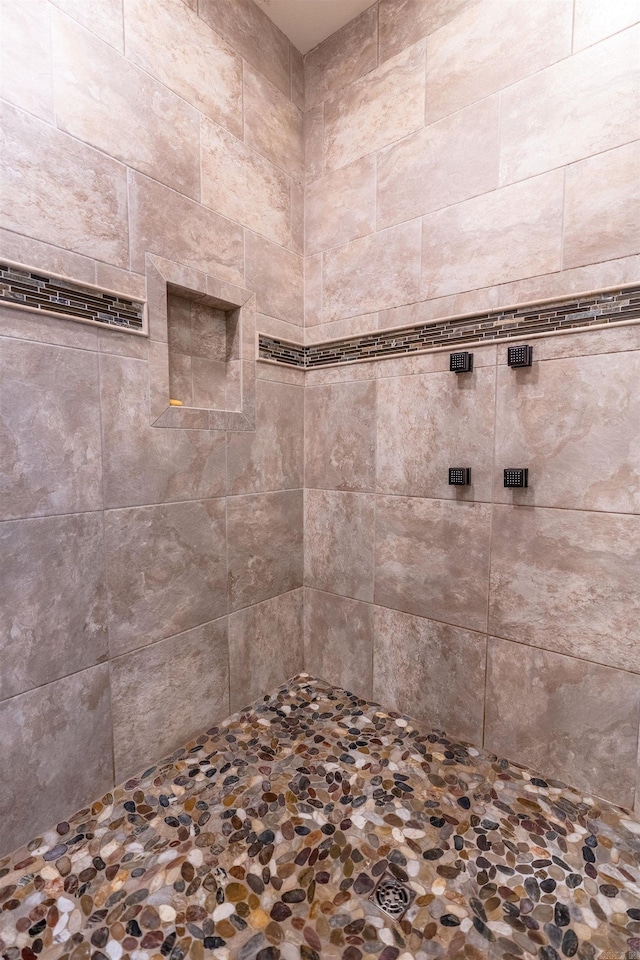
point(265, 837)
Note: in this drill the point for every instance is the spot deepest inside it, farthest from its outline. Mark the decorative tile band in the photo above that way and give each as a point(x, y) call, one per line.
point(24, 288)
point(609, 306)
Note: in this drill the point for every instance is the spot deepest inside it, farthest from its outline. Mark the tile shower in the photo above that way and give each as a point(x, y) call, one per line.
point(157, 578)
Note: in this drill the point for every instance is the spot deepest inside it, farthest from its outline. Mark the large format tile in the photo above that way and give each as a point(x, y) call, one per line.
point(595, 21)
point(404, 22)
point(489, 46)
point(132, 117)
point(574, 109)
point(508, 234)
point(570, 719)
point(272, 124)
point(89, 215)
point(265, 647)
point(49, 430)
point(340, 436)
point(55, 744)
point(166, 570)
point(383, 106)
point(102, 17)
point(26, 79)
point(567, 580)
point(442, 164)
point(276, 275)
point(339, 543)
point(338, 640)
point(429, 423)
point(345, 56)
point(265, 546)
point(192, 666)
point(341, 206)
point(574, 423)
point(53, 617)
point(431, 671)
point(432, 559)
point(313, 139)
point(158, 35)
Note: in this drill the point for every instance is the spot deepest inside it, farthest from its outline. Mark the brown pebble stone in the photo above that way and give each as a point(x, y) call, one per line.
point(225, 929)
point(235, 892)
point(150, 919)
point(312, 938)
point(274, 933)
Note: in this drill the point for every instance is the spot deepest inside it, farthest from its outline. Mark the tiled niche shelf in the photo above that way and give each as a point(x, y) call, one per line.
point(46, 293)
point(585, 311)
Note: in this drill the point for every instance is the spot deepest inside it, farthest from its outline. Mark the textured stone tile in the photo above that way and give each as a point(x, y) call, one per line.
point(209, 378)
point(345, 56)
point(313, 138)
point(383, 106)
point(51, 624)
point(505, 235)
point(272, 456)
point(265, 647)
point(166, 570)
point(276, 275)
point(337, 329)
point(442, 164)
point(49, 430)
point(172, 226)
point(340, 436)
point(432, 559)
point(338, 640)
point(143, 682)
point(404, 22)
point(574, 109)
point(575, 425)
point(47, 257)
point(602, 207)
point(437, 362)
point(341, 206)
point(491, 45)
point(241, 185)
point(296, 241)
point(430, 671)
point(155, 132)
point(373, 273)
point(567, 580)
point(265, 546)
point(55, 744)
point(26, 79)
point(339, 543)
point(102, 17)
point(296, 68)
point(158, 33)
point(569, 718)
point(272, 124)
point(429, 423)
point(313, 290)
point(595, 21)
point(592, 342)
point(90, 212)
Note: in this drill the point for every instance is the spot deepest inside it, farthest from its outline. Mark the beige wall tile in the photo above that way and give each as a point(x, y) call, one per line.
point(432, 559)
point(26, 78)
point(426, 424)
point(345, 56)
point(567, 580)
point(430, 671)
point(131, 117)
point(372, 273)
point(597, 276)
point(272, 124)
point(102, 17)
point(602, 207)
point(265, 546)
point(511, 233)
point(296, 243)
point(594, 20)
point(172, 226)
point(338, 641)
point(383, 106)
point(604, 340)
point(276, 275)
point(455, 305)
point(489, 46)
point(444, 163)
point(24, 325)
point(313, 138)
point(143, 682)
point(90, 212)
point(209, 378)
point(339, 547)
point(436, 362)
point(265, 647)
point(576, 108)
point(158, 32)
point(341, 206)
point(296, 66)
point(342, 374)
point(313, 290)
point(46, 257)
point(340, 436)
point(55, 744)
point(166, 570)
point(49, 430)
point(337, 329)
point(404, 22)
point(566, 718)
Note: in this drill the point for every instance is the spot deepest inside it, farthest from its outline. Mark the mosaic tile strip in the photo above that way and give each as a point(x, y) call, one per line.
point(35, 290)
point(610, 306)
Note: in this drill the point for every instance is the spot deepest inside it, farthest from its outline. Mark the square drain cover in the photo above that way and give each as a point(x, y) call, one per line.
point(392, 897)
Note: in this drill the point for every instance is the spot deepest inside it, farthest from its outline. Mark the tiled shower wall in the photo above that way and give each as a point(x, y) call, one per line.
point(151, 578)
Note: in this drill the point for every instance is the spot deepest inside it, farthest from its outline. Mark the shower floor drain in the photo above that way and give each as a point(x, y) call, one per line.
point(392, 897)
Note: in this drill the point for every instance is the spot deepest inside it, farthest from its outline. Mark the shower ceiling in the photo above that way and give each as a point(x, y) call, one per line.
point(308, 22)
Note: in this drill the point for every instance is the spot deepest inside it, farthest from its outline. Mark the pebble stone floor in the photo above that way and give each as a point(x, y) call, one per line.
point(265, 837)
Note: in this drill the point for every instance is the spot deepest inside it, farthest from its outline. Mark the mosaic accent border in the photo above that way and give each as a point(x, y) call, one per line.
point(610, 306)
point(22, 287)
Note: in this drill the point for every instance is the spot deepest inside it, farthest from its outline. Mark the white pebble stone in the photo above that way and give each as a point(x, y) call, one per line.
point(222, 912)
point(195, 857)
point(466, 925)
point(401, 723)
point(438, 887)
point(414, 834)
point(499, 927)
point(61, 924)
point(113, 950)
point(222, 953)
point(413, 868)
point(289, 951)
point(48, 873)
point(167, 913)
point(397, 835)
point(358, 821)
point(386, 936)
point(64, 905)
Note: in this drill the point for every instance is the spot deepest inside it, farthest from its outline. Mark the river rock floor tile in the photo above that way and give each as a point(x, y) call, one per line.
point(264, 838)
